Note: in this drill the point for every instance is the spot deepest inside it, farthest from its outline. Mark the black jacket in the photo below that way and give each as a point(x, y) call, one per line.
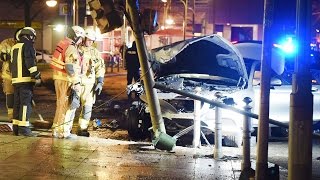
point(132, 59)
point(23, 64)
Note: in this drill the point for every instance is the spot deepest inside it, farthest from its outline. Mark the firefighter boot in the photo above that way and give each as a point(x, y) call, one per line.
point(26, 131)
point(15, 129)
point(83, 132)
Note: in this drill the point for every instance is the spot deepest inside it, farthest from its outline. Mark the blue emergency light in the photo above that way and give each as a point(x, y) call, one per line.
point(287, 45)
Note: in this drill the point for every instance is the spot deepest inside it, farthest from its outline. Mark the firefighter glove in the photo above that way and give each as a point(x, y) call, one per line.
point(37, 82)
point(98, 88)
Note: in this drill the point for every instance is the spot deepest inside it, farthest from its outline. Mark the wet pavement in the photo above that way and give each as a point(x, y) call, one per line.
point(95, 158)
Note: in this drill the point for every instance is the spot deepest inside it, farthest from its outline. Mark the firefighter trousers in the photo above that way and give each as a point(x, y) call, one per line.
point(63, 121)
point(8, 91)
point(22, 106)
point(87, 97)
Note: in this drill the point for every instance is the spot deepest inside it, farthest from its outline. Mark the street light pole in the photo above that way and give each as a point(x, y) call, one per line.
point(263, 126)
point(185, 3)
point(301, 100)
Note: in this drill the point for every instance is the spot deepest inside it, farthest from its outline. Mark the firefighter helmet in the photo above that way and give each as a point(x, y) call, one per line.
point(75, 33)
point(91, 34)
point(17, 34)
point(29, 32)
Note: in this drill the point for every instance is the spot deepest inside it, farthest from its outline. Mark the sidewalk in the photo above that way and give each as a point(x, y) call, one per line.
point(94, 158)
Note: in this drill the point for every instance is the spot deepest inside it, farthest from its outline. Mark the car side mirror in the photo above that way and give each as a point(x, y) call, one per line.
point(275, 82)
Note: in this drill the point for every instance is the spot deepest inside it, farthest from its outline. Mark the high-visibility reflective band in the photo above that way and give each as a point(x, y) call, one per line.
point(83, 123)
point(22, 79)
point(57, 61)
point(24, 123)
point(19, 62)
point(59, 66)
point(24, 113)
point(10, 111)
point(15, 122)
point(33, 69)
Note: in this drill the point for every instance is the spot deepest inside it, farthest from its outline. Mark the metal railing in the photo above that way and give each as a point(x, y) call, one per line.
point(246, 164)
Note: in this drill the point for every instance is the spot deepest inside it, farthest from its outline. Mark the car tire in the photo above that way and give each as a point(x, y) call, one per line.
point(138, 124)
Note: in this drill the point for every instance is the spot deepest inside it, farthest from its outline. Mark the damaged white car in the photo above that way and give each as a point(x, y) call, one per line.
point(206, 66)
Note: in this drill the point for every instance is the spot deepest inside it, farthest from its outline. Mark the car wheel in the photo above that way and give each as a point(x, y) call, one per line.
point(138, 123)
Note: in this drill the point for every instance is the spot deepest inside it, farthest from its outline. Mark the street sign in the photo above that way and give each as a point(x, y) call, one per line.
point(63, 9)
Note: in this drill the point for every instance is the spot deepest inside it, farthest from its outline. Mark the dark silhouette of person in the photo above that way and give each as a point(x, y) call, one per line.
point(132, 64)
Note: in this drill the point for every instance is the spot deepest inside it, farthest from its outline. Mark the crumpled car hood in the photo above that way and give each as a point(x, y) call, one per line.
point(209, 57)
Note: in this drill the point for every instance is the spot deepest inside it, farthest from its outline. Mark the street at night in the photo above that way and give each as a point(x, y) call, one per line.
point(161, 89)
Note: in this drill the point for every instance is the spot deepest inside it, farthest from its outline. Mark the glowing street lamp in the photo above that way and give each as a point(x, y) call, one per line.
point(51, 3)
point(169, 21)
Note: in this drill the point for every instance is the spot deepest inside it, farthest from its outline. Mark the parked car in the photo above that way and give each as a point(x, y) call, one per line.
point(43, 56)
point(210, 63)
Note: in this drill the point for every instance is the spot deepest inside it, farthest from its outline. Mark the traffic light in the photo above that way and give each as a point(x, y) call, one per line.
point(106, 14)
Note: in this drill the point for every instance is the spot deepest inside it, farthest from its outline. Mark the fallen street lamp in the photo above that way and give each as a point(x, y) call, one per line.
point(51, 3)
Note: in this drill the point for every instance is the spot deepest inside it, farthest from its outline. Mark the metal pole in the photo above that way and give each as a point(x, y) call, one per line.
point(147, 74)
point(193, 16)
point(197, 122)
point(74, 12)
point(77, 12)
point(185, 3)
point(217, 131)
point(301, 100)
point(263, 126)
point(213, 16)
point(27, 7)
point(246, 163)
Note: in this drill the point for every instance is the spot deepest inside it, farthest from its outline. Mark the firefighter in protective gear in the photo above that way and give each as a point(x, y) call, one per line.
point(5, 48)
point(25, 74)
point(91, 80)
point(67, 66)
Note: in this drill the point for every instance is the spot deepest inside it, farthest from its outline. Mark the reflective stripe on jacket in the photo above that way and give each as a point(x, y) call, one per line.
point(58, 57)
point(70, 63)
point(23, 65)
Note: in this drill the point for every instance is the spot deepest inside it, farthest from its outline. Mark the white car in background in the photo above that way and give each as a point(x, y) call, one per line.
point(43, 56)
point(281, 84)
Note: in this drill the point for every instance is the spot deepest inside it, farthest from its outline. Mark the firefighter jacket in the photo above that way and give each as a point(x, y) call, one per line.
point(66, 62)
point(5, 48)
point(23, 64)
point(93, 65)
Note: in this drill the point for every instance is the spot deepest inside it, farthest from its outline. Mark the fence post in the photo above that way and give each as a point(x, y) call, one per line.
point(217, 131)
point(197, 122)
point(246, 163)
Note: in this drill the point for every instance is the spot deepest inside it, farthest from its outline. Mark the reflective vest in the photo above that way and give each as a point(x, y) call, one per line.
point(58, 57)
point(20, 69)
point(66, 62)
point(5, 48)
